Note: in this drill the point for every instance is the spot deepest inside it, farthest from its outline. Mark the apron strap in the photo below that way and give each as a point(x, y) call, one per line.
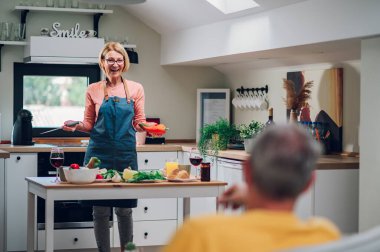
point(126, 91)
point(105, 90)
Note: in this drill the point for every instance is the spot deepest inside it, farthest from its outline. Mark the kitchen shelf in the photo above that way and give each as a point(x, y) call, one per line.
point(129, 46)
point(97, 13)
point(71, 10)
point(16, 43)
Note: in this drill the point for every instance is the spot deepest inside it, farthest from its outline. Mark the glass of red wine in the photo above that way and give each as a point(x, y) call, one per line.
point(57, 157)
point(195, 160)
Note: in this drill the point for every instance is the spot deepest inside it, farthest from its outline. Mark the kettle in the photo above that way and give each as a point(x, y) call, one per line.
point(22, 129)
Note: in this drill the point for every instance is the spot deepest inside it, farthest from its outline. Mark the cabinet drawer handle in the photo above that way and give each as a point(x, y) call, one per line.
point(75, 239)
point(18, 158)
point(145, 209)
point(146, 161)
point(146, 235)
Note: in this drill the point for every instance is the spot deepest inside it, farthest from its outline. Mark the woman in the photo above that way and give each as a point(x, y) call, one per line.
point(114, 108)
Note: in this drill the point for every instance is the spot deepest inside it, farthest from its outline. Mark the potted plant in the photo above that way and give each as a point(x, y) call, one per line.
point(215, 137)
point(248, 131)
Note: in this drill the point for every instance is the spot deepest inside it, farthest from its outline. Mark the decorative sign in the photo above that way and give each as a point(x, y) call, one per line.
point(74, 32)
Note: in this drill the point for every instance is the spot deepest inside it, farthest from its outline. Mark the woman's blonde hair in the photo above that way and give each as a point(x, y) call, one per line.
point(117, 47)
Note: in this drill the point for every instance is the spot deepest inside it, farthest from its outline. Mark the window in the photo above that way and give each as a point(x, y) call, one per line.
point(53, 93)
point(232, 6)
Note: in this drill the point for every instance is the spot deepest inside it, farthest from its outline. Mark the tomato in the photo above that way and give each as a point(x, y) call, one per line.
point(99, 176)
point(74, 166)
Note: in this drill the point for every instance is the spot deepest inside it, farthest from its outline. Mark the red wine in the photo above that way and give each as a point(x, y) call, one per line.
point(56, 162)
point(196, 161)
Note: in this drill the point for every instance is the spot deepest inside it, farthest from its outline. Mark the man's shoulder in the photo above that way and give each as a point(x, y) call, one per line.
point(210, 220)
point(324, 225)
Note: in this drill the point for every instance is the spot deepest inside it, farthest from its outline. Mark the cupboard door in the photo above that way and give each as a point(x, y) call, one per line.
point(155, 209)
point(17, 167)
point(154, 160)
point(153, 233)
point(70, 239)
point(202, 205)
point(337, 198)
point(304, 205)
point(2, 204)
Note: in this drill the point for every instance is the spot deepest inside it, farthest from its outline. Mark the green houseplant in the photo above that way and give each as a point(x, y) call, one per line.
point(248, 131)
point(215, 136)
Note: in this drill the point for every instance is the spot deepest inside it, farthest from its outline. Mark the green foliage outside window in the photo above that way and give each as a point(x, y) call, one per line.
point(54, 91)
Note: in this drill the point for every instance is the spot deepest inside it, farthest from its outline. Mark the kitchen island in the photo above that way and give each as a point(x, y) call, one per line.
point(50, 191)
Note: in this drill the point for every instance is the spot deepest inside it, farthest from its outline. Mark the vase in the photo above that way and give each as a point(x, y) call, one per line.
point(248, 144)
point(293, 116)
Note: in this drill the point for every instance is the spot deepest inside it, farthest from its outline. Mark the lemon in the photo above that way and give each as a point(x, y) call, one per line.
point(128, 173)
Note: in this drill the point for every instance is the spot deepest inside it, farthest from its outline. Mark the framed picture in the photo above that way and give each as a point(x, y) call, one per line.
point(212, 104)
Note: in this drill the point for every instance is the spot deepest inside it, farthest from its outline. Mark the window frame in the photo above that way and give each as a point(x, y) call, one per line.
point(21, 69)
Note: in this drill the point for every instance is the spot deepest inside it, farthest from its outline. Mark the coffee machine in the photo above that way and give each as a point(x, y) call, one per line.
point(22, 129)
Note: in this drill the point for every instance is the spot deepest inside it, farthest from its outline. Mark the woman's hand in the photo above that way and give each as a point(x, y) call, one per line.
point(234, 197)
point(139, 128)
point(65, 126)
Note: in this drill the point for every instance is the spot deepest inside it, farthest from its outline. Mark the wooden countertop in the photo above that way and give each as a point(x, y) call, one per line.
point(325, 162)
point(79, 148)
point(48, 182)
point(4, 154)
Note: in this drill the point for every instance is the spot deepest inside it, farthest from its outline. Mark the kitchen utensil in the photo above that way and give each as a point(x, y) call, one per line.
point(22, 128)
point(69, 124)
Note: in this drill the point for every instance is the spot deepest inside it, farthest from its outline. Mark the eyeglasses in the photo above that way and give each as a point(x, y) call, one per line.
point(111, 61)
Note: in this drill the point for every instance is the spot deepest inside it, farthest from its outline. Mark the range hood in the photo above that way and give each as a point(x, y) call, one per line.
point(56, 50)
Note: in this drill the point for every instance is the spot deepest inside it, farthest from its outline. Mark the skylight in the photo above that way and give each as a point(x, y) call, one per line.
point(231, 6)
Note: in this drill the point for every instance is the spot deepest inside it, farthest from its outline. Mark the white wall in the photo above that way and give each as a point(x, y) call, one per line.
point(307, 22)
point(170, 91)
point(369, 186)
point(273, 78)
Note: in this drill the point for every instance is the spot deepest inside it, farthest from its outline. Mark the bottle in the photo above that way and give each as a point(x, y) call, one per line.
point(205, 171)
point(270, 118)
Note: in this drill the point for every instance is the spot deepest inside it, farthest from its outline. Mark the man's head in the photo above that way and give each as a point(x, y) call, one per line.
point(282, 161)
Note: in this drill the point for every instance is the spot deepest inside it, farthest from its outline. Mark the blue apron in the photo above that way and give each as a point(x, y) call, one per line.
point(113, 140)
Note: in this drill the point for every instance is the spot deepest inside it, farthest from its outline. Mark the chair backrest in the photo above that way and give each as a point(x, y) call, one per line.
point(367, 241)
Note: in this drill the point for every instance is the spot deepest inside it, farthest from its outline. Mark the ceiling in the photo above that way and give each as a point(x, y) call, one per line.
point(168, 16)
point(165, 16)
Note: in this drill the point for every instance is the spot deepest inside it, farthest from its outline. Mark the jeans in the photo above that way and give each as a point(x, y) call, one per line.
point(101, 215)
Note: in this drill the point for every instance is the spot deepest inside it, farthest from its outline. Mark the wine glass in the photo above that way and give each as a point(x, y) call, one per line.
point(195, 160)
point(56, 160)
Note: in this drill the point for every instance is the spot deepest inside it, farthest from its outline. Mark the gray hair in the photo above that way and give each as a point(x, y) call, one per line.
point(282, 160)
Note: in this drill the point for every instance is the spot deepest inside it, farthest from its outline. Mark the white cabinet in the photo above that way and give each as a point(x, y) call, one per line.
point(304, 207)
point(336, 197)
point(154, 160)
point(205, 205)
point(70, 239)
point(17, 167)
point(230, 171)
point(2, 204)
point(155, 209)
point(335, 194)
point(153, 233)
point(154, 220)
